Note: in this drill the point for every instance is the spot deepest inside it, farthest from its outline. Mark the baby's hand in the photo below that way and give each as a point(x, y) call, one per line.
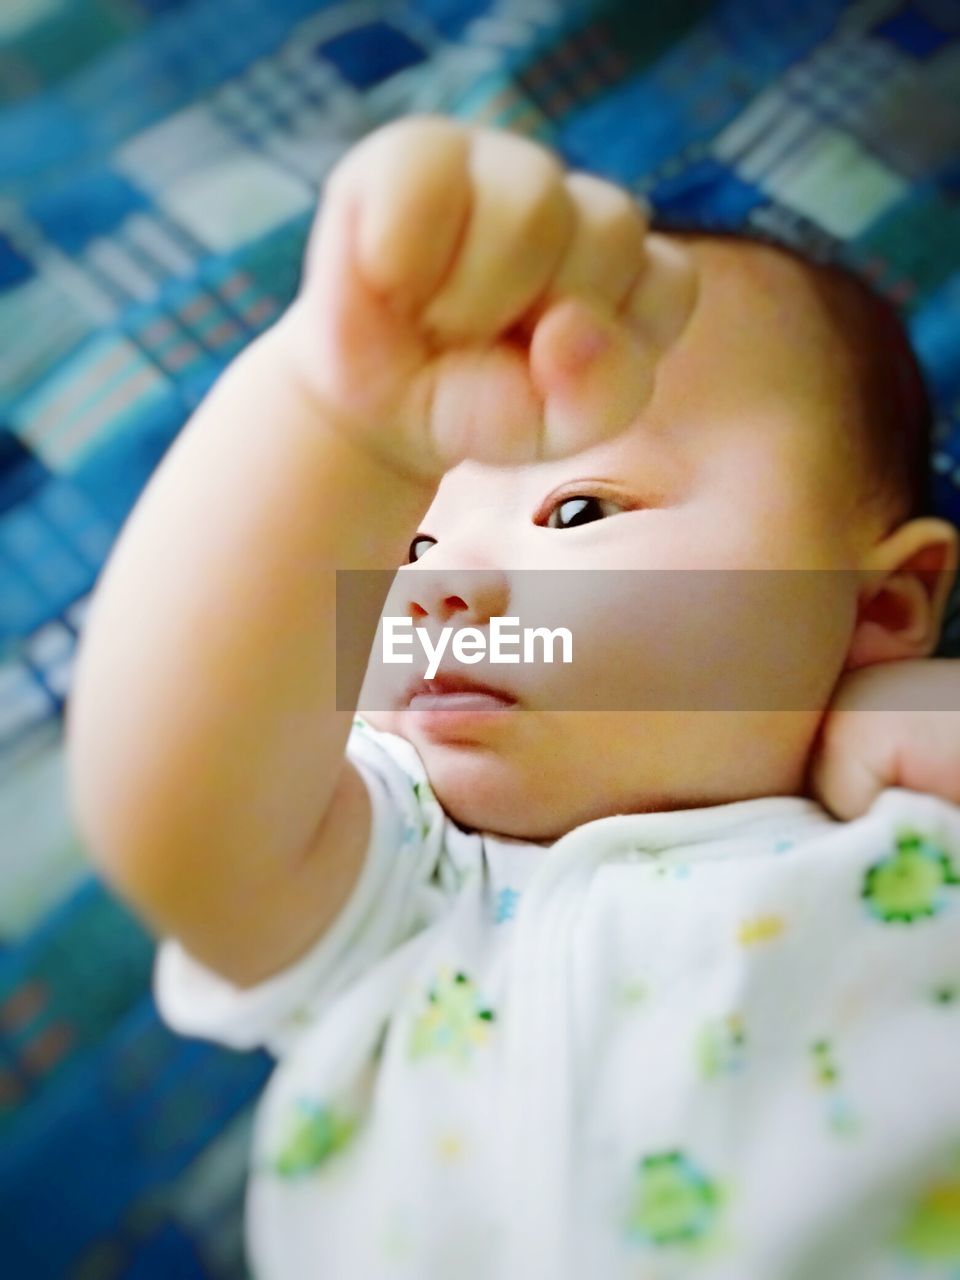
point(896, 724)
point(466, 297)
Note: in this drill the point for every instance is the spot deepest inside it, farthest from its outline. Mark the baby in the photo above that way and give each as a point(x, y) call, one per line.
point(555, 992)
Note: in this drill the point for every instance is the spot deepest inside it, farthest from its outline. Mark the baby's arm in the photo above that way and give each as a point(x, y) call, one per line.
point(206, 759)
point(895, 724)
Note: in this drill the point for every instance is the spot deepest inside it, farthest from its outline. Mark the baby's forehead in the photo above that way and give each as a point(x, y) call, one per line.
point(768, 293)
point(764, 335)
point(760, 342)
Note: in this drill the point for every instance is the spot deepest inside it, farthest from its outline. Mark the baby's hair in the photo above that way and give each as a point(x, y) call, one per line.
point(897, 410)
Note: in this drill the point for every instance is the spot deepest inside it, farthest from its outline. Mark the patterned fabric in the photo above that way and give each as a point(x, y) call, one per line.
point(159, 161)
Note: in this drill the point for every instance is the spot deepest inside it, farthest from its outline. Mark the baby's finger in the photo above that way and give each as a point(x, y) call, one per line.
point(412, 185)
point(843, 781)
point(354, 349)
point(606, 252)
point(593, 375)
point(663, 297)
point(474, 402)
point(519, 224)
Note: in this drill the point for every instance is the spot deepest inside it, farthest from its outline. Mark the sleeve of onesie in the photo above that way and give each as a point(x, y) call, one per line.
point(403, 885)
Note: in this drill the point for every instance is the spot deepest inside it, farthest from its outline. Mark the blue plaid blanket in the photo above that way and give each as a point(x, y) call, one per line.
point(159, 163)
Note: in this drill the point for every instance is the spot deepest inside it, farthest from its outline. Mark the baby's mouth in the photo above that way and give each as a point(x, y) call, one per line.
point(450, 692)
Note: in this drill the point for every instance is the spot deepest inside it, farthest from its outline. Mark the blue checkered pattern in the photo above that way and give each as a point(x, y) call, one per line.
point(159, 161)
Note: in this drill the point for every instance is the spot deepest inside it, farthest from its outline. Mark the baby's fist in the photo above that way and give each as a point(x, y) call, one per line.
point(465, 297)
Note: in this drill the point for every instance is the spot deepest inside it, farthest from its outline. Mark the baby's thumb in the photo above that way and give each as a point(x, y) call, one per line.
point(661, 302)
point(842, 779)
point(594, 376)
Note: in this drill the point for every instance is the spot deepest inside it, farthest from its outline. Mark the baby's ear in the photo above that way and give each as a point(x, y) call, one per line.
point(900, 610)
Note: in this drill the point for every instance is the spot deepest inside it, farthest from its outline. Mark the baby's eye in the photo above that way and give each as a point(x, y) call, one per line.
point(415, 550)
point(580, 509)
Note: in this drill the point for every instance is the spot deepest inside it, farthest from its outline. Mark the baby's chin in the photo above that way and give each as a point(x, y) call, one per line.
point(472, 808)
point(479, 789)
point(385, 721)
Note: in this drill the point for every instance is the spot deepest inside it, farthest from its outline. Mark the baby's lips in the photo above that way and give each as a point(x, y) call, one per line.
point(663, 299)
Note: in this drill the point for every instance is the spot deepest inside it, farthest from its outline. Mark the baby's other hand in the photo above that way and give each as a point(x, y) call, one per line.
point(895, 724)
point(464, 296)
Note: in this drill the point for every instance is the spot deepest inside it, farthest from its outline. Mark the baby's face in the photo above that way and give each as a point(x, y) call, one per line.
point(740, 462)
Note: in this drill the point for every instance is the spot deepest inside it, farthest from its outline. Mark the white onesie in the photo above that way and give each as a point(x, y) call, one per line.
point(720, 1043)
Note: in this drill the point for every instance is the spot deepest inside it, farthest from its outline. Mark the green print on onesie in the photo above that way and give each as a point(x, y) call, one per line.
point(840, 1115)
point(455, 1021)
point(315, 1132)
point(910, 884)
point(673, 1202)
point(721, 1046)
point(424, 793)
point(931, 1232)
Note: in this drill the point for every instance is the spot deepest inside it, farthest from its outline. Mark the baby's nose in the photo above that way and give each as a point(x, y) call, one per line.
point(459, 597)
